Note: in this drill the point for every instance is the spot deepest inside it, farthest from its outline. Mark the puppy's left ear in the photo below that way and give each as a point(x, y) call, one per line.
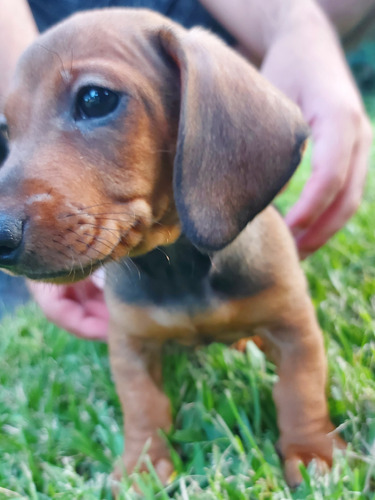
point(239, 138)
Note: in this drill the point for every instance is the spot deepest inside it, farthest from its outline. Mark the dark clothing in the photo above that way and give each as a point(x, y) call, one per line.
point(186, 12)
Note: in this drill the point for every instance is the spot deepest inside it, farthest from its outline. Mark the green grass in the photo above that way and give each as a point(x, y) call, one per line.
point(61, 422)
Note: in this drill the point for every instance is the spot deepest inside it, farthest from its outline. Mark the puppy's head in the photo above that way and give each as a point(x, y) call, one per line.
point(125, 129)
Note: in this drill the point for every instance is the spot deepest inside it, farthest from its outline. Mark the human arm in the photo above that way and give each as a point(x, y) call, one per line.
point(17, 31)
point(349, 15)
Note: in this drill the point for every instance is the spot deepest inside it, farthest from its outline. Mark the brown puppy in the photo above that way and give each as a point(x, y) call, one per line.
point(127, 133)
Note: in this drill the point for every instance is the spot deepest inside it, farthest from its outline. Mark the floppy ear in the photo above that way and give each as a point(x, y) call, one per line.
point(239, 138)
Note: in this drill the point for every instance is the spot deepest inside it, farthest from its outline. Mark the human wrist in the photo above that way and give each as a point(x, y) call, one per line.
point(306, 54)
point(17, 31)
point(304, 21)
point(347, 15)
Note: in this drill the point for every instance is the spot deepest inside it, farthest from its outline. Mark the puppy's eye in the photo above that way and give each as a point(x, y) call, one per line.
point(95, 102)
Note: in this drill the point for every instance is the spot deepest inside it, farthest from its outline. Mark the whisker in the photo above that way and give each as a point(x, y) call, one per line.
point(87, 207)
point(81, 266)
point(125, 263)
point(101, 240)
point(62, 253)
point(116, 220)
point(88, 247)
point(103, 218)
point(86, 210)
point(107, 213)
point(93, 239)
point(64, 73)
point(64, 246)
point(164, 253)
point(131, 261)
point(102, 228)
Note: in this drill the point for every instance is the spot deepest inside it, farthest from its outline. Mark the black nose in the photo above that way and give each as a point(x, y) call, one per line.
point(3, 139)
point(11, 233)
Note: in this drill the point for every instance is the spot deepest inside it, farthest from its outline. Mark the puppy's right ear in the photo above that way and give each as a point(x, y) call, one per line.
point(239, 138)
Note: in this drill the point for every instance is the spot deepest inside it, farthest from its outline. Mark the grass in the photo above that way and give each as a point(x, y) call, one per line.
point(61, 423)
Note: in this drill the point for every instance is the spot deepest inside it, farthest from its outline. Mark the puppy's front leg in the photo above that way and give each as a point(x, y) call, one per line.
point(306, 432)
point(136, 367)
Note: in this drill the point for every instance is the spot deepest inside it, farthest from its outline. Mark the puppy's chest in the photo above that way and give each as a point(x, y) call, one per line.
point(179, 276)
point(176, 277)
point(178, 292)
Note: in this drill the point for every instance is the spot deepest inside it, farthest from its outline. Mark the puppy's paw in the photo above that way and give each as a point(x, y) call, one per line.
point(140, 463)
point(292, 470)
point(164, 469)
point(241, 344)
point(316, 448)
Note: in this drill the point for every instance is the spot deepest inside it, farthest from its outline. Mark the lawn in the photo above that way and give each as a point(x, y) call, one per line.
point(61, 422)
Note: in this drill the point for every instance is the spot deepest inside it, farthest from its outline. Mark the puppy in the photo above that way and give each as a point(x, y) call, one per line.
point(128, 133)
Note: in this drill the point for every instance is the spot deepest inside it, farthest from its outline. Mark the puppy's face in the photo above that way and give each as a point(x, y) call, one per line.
point(89, 174)
point(123, 126)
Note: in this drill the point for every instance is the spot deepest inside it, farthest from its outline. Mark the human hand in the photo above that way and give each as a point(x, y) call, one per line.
point(78, 308)
point(310, 68)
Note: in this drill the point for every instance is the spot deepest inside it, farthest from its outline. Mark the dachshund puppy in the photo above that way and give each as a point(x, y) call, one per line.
point(128, 133)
